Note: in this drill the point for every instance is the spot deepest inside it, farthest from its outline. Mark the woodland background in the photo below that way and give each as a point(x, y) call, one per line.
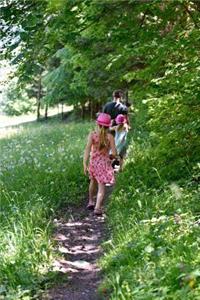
point(76, 53)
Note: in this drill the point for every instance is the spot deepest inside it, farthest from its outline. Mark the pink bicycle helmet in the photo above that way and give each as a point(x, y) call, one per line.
point(120, 119)
point(104, 120)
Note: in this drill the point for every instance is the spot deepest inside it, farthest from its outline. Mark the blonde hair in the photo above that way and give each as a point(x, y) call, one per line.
point(103, 140)
point(120, 127)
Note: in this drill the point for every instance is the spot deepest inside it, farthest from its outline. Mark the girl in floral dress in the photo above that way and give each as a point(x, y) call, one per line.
point(99, 144)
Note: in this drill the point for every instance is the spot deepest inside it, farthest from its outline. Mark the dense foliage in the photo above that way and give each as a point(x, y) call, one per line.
point(16, 102)
point(102, 45)
point(153, 250)
point(77, 52)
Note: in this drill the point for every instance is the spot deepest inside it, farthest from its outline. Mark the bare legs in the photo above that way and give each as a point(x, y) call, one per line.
point(100, 196)
point(92, 191)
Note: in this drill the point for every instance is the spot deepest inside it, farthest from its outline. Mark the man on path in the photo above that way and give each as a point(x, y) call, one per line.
point(116, 107)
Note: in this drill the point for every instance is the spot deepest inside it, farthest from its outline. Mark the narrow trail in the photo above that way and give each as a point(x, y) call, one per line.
point(79, 239)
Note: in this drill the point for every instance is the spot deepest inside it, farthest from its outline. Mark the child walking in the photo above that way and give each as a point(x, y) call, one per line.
point(96, 154)
point(121, 131)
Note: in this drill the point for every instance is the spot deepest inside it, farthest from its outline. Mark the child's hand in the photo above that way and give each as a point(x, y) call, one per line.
point(85, 168)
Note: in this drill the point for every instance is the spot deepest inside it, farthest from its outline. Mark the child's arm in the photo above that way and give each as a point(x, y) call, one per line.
point(127, 127)
point(87, 153)
point(113, 128)
point(112, 145)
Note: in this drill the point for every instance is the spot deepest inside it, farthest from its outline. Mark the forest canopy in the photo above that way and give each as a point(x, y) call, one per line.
point(77, 52)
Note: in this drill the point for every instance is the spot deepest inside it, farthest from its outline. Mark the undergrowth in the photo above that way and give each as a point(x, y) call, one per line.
point(154, 220)
point(40, 171)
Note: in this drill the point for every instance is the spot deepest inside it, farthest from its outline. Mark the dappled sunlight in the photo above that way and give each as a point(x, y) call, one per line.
point(10, 132)
point(78, 245)
point(63, 63)
point(76, 266)
point(6, 121)
point(34, 178)
point(176, 190)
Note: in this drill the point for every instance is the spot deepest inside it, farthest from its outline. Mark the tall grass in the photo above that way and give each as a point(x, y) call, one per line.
point(40, 170)
point(153, 252)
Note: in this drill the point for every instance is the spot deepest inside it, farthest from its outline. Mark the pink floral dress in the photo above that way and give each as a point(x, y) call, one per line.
point(100, 167)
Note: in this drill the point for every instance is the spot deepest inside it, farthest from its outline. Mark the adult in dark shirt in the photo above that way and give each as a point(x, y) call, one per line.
point(116, 107)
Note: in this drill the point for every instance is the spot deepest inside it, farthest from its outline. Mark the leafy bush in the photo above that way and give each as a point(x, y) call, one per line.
point(16, 103)
point(153, 252)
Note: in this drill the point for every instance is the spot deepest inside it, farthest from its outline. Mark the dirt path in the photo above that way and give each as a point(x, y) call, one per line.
point(78, 239)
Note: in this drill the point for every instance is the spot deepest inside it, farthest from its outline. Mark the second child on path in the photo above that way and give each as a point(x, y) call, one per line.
point(121, 131)
point(97, 162)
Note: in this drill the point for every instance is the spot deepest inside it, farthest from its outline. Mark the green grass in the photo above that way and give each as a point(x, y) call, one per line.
point(153, 252)
point(40, 171)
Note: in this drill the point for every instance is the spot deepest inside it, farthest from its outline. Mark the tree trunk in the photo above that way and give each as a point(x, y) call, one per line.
point(91, 110)
point(82, 111)
point(126, 96)
point(62, 112)
point(98, 107)
point(76, 108)
point(46, 112)
point(38, 109)
point(39, 98)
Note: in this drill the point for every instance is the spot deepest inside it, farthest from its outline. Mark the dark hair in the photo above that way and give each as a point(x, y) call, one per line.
point(118, 94)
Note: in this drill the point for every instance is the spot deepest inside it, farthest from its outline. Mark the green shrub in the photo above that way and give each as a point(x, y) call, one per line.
point(16, 102)
point(153, 252)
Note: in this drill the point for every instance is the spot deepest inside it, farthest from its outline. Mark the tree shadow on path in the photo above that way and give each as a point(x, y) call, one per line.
point(79, 240)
